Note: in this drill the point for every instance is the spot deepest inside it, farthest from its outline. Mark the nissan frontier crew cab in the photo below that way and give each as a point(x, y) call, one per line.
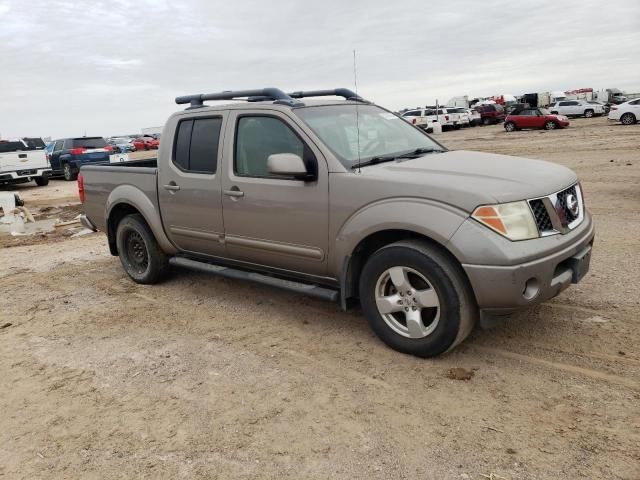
point(343, 200)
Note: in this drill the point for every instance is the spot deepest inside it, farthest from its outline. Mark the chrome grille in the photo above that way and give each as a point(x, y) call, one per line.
point(559, 212)
point(543, 221)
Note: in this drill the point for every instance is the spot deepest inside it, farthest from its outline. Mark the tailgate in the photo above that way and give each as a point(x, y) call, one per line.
point(94, 155)
point(23, 160)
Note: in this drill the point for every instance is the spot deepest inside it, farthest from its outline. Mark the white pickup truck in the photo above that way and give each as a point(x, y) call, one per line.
point(424, 117)
point(23, 160)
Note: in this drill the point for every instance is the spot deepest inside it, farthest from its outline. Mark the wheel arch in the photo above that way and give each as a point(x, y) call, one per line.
point(126, 200)
point(364, 233)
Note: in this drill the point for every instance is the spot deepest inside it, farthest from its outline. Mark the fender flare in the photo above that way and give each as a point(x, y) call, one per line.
point(133, 196)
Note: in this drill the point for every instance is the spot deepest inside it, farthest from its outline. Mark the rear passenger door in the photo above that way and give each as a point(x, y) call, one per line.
point(189, 188)
point(54, 158)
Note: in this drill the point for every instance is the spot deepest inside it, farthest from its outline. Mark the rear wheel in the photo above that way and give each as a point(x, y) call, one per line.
point(139, 252)
point(43, 180)
point(69, 174)
point(510, 126)
point(417, 299)
point(550, 125)
point(628, 118)
point(588, 113)
point(486, 121)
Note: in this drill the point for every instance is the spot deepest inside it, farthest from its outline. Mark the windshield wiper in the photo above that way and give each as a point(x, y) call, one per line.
point(375, 160)
point(418, 152)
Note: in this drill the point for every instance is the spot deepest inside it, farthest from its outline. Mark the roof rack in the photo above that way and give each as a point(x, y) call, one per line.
point(265, 94)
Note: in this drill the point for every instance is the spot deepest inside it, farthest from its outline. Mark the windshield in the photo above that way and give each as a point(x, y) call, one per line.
point(382, 134)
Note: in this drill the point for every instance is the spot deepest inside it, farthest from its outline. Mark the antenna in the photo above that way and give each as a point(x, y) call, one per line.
point(355, 84)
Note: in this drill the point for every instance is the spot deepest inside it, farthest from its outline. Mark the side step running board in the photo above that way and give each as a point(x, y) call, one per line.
point(292, 286)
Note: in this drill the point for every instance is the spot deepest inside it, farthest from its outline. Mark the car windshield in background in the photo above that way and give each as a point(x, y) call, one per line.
point(381, 133)
point(120, 140)
point(89, 142)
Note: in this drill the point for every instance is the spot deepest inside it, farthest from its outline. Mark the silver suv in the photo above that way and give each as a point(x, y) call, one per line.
point(343, 200)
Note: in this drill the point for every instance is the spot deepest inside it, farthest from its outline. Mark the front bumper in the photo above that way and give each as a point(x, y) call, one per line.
point(504, 289)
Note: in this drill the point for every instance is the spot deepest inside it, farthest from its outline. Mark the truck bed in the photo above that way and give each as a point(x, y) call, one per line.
point(135, 181)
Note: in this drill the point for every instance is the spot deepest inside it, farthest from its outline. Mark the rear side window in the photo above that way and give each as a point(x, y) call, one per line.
point(196, 145)
point(412, 113)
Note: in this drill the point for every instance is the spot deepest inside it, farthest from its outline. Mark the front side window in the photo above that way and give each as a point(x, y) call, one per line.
point(361, 132)
point(257, 137)
point(196, 145)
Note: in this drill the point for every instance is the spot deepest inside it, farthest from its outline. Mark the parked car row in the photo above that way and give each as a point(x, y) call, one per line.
point(133, 144)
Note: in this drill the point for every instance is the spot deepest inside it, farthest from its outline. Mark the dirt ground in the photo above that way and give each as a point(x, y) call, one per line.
point(202, 377)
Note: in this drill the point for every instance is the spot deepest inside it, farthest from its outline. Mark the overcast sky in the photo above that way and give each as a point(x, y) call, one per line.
point(109, 67)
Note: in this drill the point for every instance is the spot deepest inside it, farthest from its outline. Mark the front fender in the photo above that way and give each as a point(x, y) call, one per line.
point(128, 194)
point(431, 219)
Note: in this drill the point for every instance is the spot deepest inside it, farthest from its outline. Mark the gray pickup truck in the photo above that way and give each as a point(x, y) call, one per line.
point(341, 199)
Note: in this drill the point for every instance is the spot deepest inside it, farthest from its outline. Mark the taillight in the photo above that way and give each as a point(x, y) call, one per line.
point(413, 122)
point(446, 117)
point(77, 151)
point(109, 148)
point(81, 188)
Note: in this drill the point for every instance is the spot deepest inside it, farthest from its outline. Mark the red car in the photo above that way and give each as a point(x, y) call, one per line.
point(146, 143)
point(490, 114)
point(534, 118)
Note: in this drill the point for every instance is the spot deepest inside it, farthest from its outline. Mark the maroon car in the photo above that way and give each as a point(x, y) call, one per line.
point(490, 114)
point(534, 118)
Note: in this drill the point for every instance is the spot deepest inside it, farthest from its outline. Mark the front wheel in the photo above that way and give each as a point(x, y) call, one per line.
point(43, 180)
point(550, 125)
point(69, 174)
point(417, 299)
point(510, 126)
point(628, 119)
point(588, 113)
point(139, 252)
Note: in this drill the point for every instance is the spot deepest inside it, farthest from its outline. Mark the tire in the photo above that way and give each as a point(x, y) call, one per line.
point(43, 180)
point(588, 113)
point(69, 174)
point(139, 252)
point(628, 118)
point(550, 126)
point(424, 268)
point(510, 127)
point(486, 121)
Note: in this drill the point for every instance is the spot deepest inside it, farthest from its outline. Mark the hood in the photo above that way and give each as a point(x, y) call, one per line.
point(467, 179)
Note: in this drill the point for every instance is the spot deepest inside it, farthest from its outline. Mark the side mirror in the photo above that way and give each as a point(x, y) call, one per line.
point(287, 164)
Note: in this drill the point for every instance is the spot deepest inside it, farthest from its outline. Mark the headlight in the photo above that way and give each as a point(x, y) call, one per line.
point(512, 220)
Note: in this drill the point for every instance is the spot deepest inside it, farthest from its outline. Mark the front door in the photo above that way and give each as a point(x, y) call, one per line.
point(189, 187)
point(270, 220)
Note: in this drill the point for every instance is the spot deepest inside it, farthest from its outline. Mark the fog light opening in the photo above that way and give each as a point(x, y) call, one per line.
point(531, 288)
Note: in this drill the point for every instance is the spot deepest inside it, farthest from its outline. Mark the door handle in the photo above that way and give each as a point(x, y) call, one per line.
point(234, 192)
point(172, 187)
